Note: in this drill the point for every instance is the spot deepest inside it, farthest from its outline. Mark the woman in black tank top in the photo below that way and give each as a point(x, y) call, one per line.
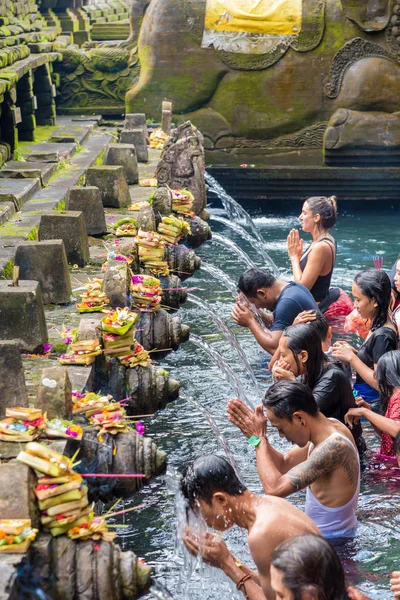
point(314, 268)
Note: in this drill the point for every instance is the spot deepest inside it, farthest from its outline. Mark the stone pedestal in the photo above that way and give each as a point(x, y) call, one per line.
point(17, 498)
point(46, 262)
point(55, 393)
point(70, 227)
point(12, 378)
point(166, 117)
point(125, 156)
point(137, 138)
point(136, 121)
point(116, 283)
point(89, 328)
point(112, 184)
point(22, 316)
point(88, 200)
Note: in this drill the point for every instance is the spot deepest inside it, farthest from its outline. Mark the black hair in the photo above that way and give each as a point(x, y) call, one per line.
point(310, 561)
point(320, 324)
point(326, 208)
point(207, 475)
point(375, 284)
point(254, 279)
point(303, 337)
point(387, 375)
point(397, 444)
point(287, 397)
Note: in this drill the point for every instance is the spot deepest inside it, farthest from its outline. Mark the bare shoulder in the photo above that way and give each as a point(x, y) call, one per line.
point(342, 429)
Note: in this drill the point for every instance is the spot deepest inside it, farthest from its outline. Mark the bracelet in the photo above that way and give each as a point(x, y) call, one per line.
point(254, 441)
point(241, 585)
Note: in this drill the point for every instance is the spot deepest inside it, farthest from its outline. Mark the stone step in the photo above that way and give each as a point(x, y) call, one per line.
point(49, 152)
point(71, 134)
point(18, 191)
point(24, 170)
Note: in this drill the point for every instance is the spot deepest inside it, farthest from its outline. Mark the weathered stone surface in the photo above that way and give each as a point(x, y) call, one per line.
point(159, 330)
point(173, 294)
point(12, 377)
point(137, 138)
point(70, 227)
point(22, 315)
point(17, 498)
point(47, 152)
point(46, 262)
point(182, 261)
point(144, 217)
point(55, 393)
point(18, 191)
point(17, 169)
point(200, 232)
point(81, 378)
point(166, 116)
point(136, 121)
point(124, 155)
point(149, 389)
point(116, 282)
point(89, 200)
point(89, 328)
point(182, 164)
point(75, 134)
point(112, 184)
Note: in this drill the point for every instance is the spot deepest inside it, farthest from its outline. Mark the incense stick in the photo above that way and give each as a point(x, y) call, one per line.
point(122, 512)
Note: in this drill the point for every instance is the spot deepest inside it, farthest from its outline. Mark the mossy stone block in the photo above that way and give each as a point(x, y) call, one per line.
point(55, 393)
point(124, 155)
point(12, 377)
point(112, 184)
point(70, 227)
point(89, 200)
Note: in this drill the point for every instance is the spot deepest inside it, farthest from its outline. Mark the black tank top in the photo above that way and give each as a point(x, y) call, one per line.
point(320, 288)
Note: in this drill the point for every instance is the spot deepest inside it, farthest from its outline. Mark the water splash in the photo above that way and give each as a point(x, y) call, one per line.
point(223, 241)
point(219, 274)
point(233, 208)
point(230, 336)
point(230, 375)
point(159, 591)
point(258, 246)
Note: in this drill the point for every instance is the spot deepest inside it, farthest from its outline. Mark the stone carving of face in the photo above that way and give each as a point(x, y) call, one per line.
point(369, 15)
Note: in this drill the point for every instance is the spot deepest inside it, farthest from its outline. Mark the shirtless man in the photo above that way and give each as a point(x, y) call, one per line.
point(264, 291)
point(212, 488)
point(324, 459)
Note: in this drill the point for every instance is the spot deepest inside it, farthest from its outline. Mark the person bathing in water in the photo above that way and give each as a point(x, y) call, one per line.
point(314, 268)
point(324, 460)
point(212, 489)
point(264, 291)
point(372, 295)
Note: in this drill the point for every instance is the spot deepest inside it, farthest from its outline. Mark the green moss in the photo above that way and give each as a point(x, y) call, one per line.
point(7, 272)
point(61, 205)
point(81, 181)
point(100, 159)
point(33, 235)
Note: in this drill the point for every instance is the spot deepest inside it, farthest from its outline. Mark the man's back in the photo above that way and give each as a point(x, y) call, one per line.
point(294, 299)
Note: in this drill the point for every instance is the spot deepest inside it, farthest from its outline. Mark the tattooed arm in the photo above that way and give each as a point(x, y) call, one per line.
point(334, 452)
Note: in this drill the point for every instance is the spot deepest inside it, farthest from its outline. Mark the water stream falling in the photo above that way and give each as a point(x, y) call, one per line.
point(258, 246)
point(229, 373)
point(221, 276)
point(230, 336)
point(223, 241)
point(233, 208)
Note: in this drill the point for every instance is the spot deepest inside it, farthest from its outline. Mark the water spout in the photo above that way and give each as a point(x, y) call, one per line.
point(232, 208)
point(221, 276)
point(223, 241)
point(229, 373)
point(258, 246)
point(229, 335)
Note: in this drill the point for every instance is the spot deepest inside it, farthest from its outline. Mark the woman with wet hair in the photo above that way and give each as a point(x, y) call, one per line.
point(388, 426)
point(314, 268)
point(372, 294)
point(301, 355)
point(307, 567)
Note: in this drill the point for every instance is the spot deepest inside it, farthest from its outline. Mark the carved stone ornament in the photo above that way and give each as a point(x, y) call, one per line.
point(313, 26)
point(182, 163)
point(353, 51)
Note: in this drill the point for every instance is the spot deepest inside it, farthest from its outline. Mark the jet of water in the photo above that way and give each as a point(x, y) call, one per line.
point(258, 246)
point(159, 591)
point(229, 373)
point(223, 241)
point(233, 208)
point(229, 336)
point(221, 276)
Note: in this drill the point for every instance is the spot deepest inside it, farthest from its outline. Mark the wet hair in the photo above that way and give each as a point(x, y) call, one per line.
point(285, 398)
point(326, 208)
point(388, 376)
point(207, 475)
point(309, 561)
point(254, 279)
point(320, 324)
point(304, 337)
point(397, 444)
point(375, 284)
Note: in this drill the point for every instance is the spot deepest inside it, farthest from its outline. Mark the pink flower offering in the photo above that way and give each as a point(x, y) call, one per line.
point(140, 428)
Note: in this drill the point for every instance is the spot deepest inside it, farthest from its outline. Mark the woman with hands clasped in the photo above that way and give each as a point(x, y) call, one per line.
point(314, 268)
point(388, 378)
point(372, 293)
